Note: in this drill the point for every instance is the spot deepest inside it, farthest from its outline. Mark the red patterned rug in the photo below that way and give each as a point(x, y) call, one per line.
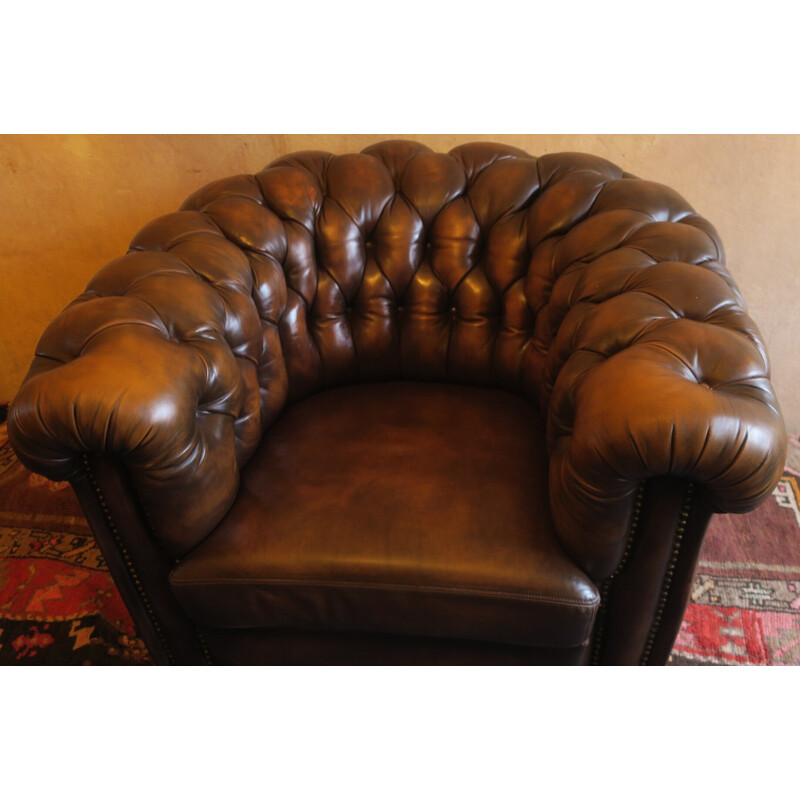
point(58, 604)
point(745, 606)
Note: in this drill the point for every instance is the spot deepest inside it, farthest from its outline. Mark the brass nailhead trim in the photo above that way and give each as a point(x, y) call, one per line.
point(676, 547)
point(206, 651)
point(606, 588)
point(146, 515)
point(127, 559)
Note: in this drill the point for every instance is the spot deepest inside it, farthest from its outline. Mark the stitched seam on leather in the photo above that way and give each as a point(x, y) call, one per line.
point(322, 266)
point(110, 326)
point(154, 310)
point(268, 207)
point(407, 587)
point(308, 308)
point(615, 208)
point(754, 471)
point(58, 361)
point(477, 173)
point(378, 263)
point(183, 236)
point(399, 193)
point(674, 355)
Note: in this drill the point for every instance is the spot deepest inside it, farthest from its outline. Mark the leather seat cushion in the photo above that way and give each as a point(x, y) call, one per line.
point(395, 508)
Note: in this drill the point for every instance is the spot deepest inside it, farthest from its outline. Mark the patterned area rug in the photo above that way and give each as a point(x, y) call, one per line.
point(59, 606)
point(745, 606)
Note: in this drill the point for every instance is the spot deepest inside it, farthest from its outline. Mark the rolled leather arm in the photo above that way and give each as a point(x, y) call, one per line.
point(158, 365)
point(648, 364)
point(664, 406)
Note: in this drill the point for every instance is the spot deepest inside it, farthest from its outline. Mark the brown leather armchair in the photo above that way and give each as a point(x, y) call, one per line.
point(409, 407)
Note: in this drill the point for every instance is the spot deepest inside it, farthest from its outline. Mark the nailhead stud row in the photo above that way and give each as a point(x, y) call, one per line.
point(134, 576)
point(606, 588)
point(676, 547)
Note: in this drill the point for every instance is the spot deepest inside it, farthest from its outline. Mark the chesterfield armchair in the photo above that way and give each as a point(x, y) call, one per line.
point(409, 407)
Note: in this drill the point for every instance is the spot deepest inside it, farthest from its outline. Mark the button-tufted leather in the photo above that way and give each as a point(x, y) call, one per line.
point(601, 297)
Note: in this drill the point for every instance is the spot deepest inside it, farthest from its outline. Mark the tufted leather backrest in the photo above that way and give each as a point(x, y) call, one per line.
point(394, 263)
point(484, 265)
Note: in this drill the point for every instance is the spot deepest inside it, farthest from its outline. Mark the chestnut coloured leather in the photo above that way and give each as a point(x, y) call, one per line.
point(599, 299)
point(416, 508)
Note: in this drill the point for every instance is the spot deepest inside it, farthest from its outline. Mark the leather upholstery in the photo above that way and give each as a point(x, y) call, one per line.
point(602, 298)
point(277, 647)
point(413, 508)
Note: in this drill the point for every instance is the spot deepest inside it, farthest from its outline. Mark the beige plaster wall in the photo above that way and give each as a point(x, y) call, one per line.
point(69, 204)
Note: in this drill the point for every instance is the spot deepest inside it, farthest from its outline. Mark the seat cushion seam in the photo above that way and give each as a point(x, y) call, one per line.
point(384, 586)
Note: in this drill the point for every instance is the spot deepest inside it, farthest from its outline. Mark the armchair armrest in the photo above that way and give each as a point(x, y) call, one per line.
point(679, 402)
point(157, 365)
point(646, 360)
